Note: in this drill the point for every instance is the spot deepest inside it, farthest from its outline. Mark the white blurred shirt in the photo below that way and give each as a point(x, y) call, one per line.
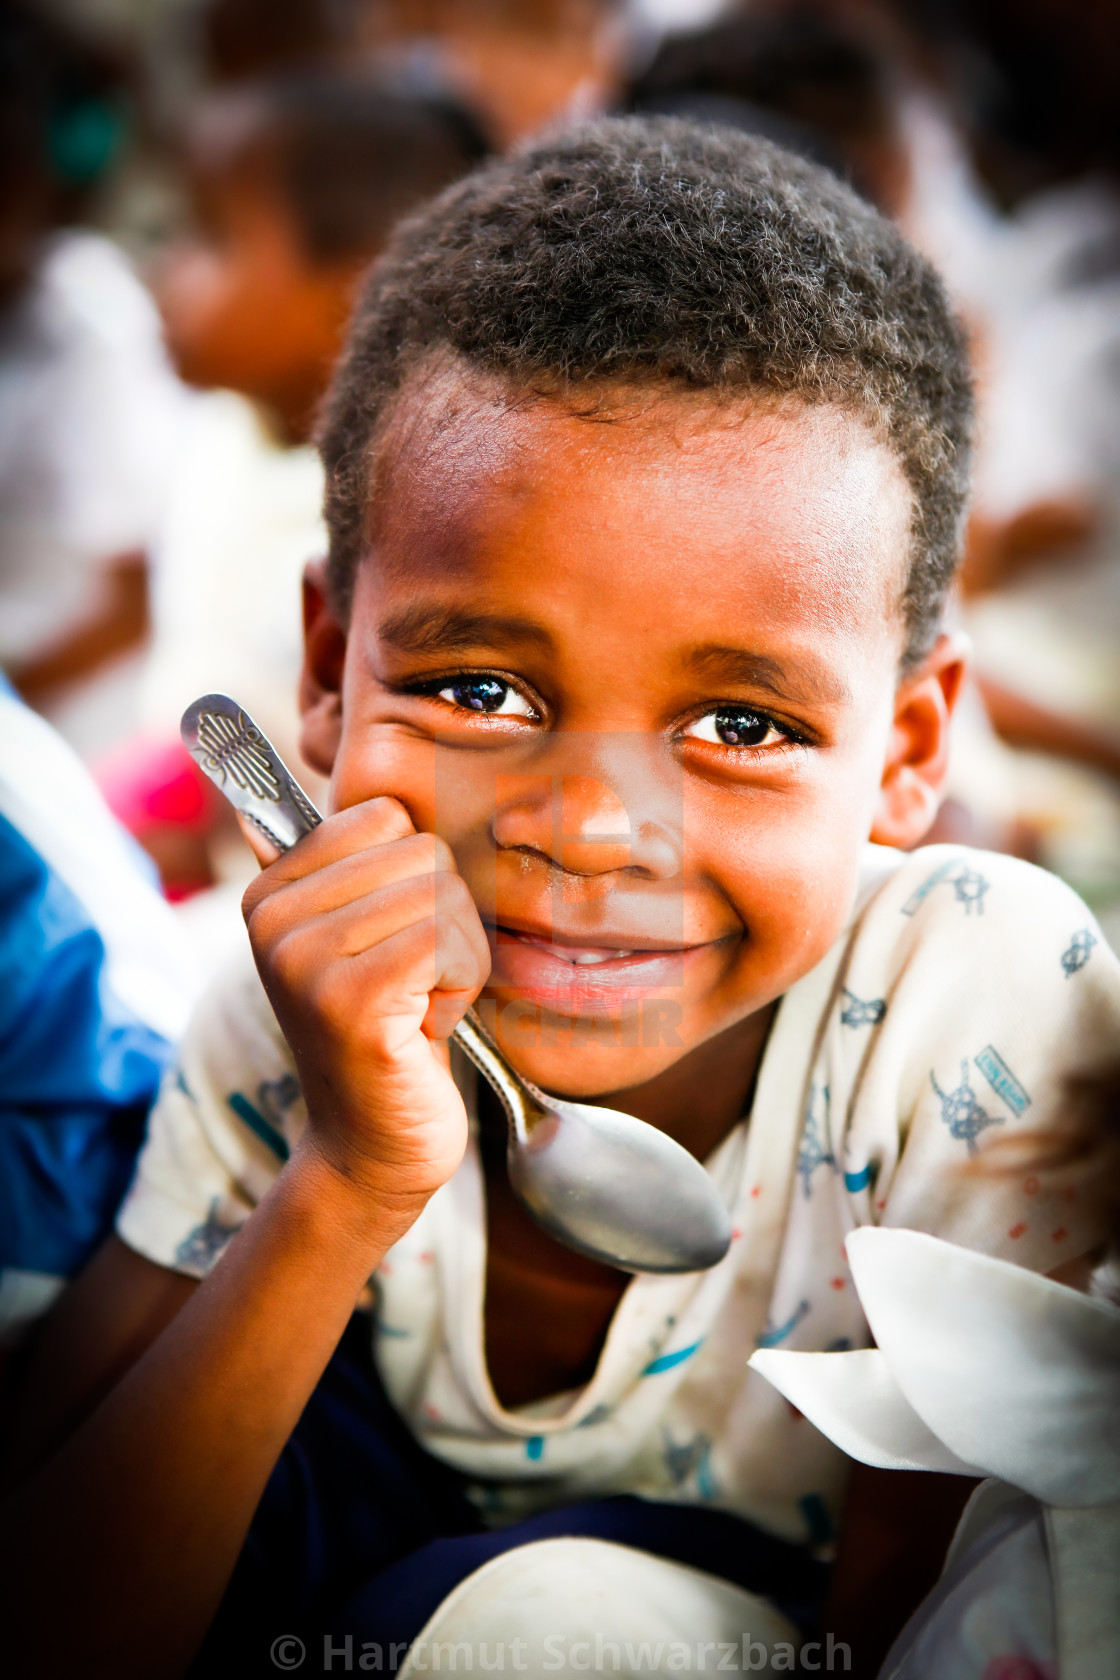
point(89, 410)
point(242, 520)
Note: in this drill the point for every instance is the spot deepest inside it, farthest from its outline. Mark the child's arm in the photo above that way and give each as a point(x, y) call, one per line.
point(369, 947)
point(105, 1320)
point(117, 623)
point(1022, 723)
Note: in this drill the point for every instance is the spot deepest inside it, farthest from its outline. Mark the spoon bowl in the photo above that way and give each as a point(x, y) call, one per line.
point(599, 1180)
point(602, 1182)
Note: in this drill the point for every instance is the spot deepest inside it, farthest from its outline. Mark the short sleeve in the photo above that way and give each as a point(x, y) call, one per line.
point(976, 987)
point(227, 1117)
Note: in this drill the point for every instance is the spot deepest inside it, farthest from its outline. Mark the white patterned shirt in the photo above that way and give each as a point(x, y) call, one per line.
point(966, 989)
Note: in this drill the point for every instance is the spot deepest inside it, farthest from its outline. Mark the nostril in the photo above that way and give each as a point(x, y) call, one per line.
point(580, 825)
point(657, 851)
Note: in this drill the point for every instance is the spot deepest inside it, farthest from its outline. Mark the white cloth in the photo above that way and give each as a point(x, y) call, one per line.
point(966, 989)
point(983, 1368)
point(89, 412)
point(979, 1368)
point(570, 1605)
point(47, 794)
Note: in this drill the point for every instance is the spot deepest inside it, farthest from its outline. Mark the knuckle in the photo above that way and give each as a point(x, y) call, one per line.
point(414, 947)
point(332, 999)
point(286, 963)
point(264, 924)
point(254, 895)
point(454, 899)
point(421, 854)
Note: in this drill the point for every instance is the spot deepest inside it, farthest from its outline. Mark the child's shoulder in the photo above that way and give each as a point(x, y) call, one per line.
point(959, 899)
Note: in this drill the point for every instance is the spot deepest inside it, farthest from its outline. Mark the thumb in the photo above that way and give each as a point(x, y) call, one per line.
point(263, 850)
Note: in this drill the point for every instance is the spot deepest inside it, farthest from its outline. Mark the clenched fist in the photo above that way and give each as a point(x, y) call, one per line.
point(370, 948)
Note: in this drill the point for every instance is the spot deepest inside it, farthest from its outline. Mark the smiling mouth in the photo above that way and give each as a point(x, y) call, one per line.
point(579, 976)
point(578, 955)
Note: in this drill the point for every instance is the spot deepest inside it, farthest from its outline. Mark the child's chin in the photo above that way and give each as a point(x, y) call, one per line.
point(561, 1007)
point(581, 1048)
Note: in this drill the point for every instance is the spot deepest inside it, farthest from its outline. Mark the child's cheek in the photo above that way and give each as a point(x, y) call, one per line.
point(795, 883)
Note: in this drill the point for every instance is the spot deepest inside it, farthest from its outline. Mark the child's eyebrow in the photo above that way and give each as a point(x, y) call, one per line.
point(799, 682)
point(435, 629)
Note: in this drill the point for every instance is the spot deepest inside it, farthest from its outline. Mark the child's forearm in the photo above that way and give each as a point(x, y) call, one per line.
point(139, 1519)
point(118, 621)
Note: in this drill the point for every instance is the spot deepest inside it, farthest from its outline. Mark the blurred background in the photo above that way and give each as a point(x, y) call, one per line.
point(190, 190)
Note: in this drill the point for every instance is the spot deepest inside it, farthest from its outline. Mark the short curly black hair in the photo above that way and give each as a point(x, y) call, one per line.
point(651, 250)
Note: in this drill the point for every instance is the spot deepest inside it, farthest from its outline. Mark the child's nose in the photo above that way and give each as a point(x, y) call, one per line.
point(581, 824)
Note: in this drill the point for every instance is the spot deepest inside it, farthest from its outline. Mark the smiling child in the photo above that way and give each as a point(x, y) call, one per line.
point(646, 466)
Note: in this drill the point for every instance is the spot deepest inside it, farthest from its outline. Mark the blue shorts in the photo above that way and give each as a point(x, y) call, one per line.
point(362, 1532)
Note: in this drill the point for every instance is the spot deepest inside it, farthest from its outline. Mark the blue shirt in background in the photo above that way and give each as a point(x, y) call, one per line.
point(95, 989)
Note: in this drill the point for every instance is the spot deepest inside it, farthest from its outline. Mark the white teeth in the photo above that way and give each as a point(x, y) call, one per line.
point(584, 959)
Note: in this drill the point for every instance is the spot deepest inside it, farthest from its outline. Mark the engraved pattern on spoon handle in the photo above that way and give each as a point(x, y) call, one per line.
point(242, 763)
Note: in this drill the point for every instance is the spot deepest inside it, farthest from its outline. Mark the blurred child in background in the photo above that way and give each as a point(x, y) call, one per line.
point(519, 63)
point(88, 405)
point(295, 184)
point(847, 88)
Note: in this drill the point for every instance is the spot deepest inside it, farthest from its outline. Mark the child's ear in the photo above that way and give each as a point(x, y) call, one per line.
point(320, 683)
point(918, 751)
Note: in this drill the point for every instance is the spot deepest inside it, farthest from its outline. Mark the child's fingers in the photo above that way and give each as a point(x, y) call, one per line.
point(362, 827)
point(441, 903)
point(366, 1010)
point(445, 1010)
point(272, 908)
point(263, 850)
point(426, 961)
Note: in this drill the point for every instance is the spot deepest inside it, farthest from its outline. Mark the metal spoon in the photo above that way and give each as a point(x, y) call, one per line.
point(606, 1184)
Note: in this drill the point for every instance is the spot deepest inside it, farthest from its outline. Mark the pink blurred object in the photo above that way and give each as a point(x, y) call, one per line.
point(1019, 1668)
point(155, 789)
point(155, 783)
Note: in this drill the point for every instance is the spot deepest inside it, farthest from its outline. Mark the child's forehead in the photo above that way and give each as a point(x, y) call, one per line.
point(640, 540)
point(468, 463)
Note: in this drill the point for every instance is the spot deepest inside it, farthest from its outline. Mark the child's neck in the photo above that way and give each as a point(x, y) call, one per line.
point(701, 1097)
point(547, 1311)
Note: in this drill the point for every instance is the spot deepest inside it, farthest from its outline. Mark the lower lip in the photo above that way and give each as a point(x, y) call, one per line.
point(537, 972)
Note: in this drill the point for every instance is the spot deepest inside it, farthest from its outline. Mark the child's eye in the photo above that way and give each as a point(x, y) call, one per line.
point(737, 726)
point(486, 694)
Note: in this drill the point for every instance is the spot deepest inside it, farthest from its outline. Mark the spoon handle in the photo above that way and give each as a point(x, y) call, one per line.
point(243, 764)
point(476, 1043)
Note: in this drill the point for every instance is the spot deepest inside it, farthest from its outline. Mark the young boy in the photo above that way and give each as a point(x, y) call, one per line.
point(646, 465)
